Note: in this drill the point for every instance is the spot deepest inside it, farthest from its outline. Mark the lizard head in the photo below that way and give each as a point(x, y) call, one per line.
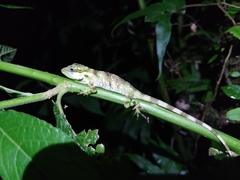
point(75, 71)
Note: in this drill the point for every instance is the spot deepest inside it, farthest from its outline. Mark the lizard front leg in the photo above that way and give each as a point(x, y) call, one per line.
point(92, 89)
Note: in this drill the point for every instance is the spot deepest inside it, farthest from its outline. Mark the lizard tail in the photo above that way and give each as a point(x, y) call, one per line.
point(160, 103)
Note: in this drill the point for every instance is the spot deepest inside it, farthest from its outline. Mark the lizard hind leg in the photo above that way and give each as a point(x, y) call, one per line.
point(136, 107)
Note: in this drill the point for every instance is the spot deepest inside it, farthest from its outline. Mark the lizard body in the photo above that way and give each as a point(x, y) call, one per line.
point(114, 83)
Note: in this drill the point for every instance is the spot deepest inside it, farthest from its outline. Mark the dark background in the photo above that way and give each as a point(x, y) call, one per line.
point(55, 34)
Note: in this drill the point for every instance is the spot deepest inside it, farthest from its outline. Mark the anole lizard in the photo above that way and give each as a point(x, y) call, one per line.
point(112, 82)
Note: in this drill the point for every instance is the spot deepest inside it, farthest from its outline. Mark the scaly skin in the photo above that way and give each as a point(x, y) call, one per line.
point(112, 82)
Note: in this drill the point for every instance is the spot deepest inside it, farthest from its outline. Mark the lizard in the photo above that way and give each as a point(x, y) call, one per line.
point(101, 79)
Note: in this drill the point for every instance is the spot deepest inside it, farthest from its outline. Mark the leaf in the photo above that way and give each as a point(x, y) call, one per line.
point(7, 53)
point(62, 123)
point(234, 74)
point(100, 149)
point(153, 12)
point(198, 88)
point(163, 33)
point(14, 93)
point(157, 10)
point(15, 7)
point(232, 11)
point(177, 3)
point(144, 164)
point(168, 165)
point(234, 114)
point(232, 91)
point(86, 139)
point(143, 12)
point(214, 57)
point(235, 31)
point(135, 128)
point(33, 149)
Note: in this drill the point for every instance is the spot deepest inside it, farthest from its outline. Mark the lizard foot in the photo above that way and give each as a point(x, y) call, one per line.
point(138, 109)
point(87, 92)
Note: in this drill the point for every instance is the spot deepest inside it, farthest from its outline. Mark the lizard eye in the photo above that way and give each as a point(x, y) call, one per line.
point(71, 69)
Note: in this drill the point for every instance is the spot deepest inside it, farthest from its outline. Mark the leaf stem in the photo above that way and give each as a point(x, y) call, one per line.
point(31, 98)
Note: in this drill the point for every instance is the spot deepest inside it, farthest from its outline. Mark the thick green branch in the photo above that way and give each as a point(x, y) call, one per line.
point(165, 114)
point(153, 109)
point(51, 79)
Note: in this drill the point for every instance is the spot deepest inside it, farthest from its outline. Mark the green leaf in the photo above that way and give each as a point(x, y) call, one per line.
point(33, 149)
point(145, 165)
point(168, 165)
point(7, 53)
point(62, 123)
point(195, 75)
point(163, 33)
point(157, 10)
point(234, 74)
point(214, 57)
point(208, 96)
point(153, 12)
point(134, 128)
point(232, 11)
point(232, 91)
point(100, 149)
point(14, 93)
point(160, 144)
point(198, 88)
point(90, 137)
point(234, 114)
point(153, 9)
point(235, 31)
point(177, 3)
point(85, 139)
point(15, 7)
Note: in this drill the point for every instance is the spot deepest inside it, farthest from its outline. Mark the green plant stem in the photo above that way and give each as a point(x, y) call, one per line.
point(74, 86)
point(31, 73)
point(11, 91)
point(59, 98)
point(141, 4)
point(165, 114)
point(22, 100)
point(31, 98)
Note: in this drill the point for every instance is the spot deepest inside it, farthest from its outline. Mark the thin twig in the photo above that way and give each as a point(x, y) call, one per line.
point(215, 94)
point(230, 5)
point(218, 83)
point(221, 75)
point(220, 7)
point(210, 4)
point(213, 4)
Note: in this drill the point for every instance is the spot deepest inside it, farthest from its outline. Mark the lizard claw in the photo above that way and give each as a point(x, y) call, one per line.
point(85, 93)
point(137, 108)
